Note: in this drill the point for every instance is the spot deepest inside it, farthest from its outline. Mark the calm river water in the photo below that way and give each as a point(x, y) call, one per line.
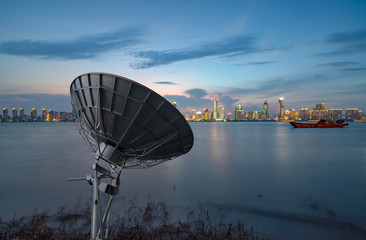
point(287, 183)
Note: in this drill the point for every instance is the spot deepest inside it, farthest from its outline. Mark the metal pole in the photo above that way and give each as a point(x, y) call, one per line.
point(96, 209)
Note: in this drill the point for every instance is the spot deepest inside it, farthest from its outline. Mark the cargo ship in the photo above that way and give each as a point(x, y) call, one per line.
point(320, 124)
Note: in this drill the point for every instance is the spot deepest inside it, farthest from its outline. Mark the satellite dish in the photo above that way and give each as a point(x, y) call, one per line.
point(128, 126)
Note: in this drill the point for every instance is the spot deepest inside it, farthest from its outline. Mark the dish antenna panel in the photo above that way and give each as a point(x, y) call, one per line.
point(128, 126)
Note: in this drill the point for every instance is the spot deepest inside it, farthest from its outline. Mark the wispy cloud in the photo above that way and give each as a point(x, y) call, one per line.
point(255, 63)
point(229, 47)
point(360, 69)
point(339, 64)
point(82, 48)
point(347, 43)
point(166, 83)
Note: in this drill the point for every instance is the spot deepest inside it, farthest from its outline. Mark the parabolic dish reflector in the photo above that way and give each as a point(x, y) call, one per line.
point(126, 123)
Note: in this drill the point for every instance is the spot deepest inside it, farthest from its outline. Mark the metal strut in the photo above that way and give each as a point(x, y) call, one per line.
point(99, 223)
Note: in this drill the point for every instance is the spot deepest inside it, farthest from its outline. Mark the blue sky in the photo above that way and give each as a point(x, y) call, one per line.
point(188, 51)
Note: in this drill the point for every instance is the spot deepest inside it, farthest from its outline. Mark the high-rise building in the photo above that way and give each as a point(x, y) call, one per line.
point(304, 114)
point(290, 114)
point(229, 116)
point(206, 114)
point(15, 114)
point(353, 114)
point(21, 114)
point(222, 113)
point(214, 109)
point(199, 116)
point(34, 114)
point(193, 115)
point(320, 106)
point(50, 115)
point(334, 114)
point(44, 114)
point(265, 109)
point(239, 112)
point(5, 114)
point(281, 109)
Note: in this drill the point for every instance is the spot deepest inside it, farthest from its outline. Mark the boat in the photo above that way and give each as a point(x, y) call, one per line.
point(320, 124)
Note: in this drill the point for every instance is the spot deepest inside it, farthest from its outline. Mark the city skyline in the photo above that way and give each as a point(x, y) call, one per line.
point(218, 113)
point(188, 51)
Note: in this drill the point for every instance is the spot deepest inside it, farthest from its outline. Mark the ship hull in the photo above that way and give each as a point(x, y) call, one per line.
point(320, 124)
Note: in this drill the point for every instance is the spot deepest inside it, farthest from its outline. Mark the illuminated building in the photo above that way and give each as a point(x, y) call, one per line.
point(281, 109)
point(44, 114)
point(239, 112)
point(222, 113)
point(15, 114)
point(50, 116)
point(256, 115)
point(21, 114)
point(229, 116)
point(320, 106)
point(193, 115)
point(318, 114)
point(304, 114)
point(214, 109)
point(266, 110)
point(199, 116)
point(34, 114)
point(5, 114)
point(290, 114)
point(353, 114)
point(64, 116)
point(206, 115)
point(334, 114)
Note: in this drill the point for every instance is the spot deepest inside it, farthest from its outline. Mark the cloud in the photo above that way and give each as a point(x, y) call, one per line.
point(229, 47)
point(85, 47)
point(339, 64)
point(198, 100)
point(361, 69)
point(196, 93)
point(347, 43)
point(166, 83)
point(255, 63)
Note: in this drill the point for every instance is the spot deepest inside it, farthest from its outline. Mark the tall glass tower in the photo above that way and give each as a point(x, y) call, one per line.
point(281, 109)
point(215, 109)
point(265, 108)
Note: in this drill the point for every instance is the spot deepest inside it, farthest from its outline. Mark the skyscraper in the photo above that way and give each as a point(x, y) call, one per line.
point(281, 109)
point(34, 114)
point(44, 114)
point(320, 106)
point(214, 109)
point(15, 114)
point(21, 114)
point(5, 115)
point(222, 113)
point(239, 112)
point(193, 115)
point(265, 109)
point(206, 114)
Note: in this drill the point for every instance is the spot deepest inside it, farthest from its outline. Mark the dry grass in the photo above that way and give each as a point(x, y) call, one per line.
point(154, 225)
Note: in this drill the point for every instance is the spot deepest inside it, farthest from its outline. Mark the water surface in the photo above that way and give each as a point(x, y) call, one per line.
point(287, 183)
